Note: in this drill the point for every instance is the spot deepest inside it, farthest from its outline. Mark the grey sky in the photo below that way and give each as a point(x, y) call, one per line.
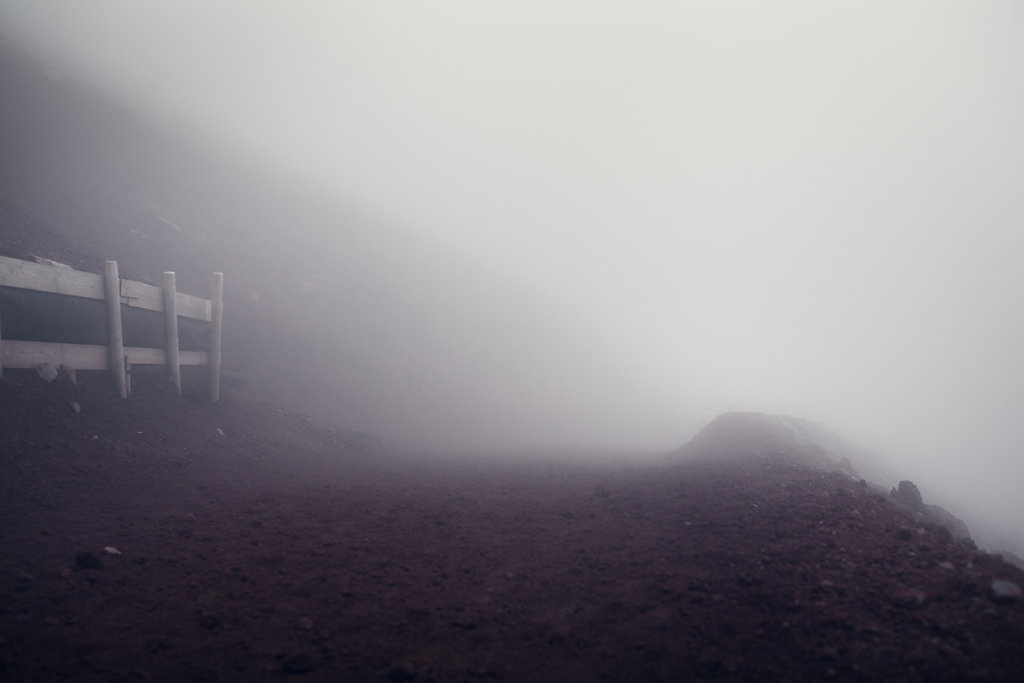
point(801, 207)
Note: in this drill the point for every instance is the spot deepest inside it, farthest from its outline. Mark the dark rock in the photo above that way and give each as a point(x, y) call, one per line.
point(23, 581)
point(86, 560)
point(845, 466)
point(401, 672)
point(957, 528)
point(297, 664)
point(909, 495)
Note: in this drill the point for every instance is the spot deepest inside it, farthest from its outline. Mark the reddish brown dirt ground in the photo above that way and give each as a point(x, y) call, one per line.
point(275, 550)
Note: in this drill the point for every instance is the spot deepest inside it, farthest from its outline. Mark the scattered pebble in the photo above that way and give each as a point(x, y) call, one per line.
point(75, 407)
point(111, 550)
point(220, 431)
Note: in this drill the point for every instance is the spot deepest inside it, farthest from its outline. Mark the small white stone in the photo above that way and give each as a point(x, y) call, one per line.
point(47, 371)
point(111, 550)
point(1003, 590)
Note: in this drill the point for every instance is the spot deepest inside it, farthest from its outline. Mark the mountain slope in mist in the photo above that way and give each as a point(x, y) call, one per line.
point(365, 325)
point(336, 314)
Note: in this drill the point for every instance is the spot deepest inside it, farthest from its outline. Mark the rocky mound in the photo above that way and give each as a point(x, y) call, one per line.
point(746, 435)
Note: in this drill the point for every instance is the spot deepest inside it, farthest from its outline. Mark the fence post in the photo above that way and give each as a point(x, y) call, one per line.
point(115, 337)
point(216, 323)
point(171, 325)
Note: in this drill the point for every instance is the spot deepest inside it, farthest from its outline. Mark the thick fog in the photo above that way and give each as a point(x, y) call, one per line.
point(804, 208)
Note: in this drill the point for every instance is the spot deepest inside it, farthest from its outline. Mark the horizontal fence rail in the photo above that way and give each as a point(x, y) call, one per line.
point(58, 280)
point(29, 354)
point(115, 356)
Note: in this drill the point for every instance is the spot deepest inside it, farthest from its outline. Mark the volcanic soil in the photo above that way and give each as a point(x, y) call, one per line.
point(247, 543)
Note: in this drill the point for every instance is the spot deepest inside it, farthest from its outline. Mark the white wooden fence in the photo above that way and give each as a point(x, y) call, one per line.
point(109, 287)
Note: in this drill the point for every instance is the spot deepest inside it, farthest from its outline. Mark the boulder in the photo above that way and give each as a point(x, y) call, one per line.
point(956, 526)
point(909, 495)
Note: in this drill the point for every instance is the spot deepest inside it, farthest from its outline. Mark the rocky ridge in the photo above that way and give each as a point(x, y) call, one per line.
point(744, 435)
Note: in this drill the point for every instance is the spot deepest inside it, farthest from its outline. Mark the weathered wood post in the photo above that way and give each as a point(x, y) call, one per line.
point(171, 325)
point(216, 324)
point(115, 337)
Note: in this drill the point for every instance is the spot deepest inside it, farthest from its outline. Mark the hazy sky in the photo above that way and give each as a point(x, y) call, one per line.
point(802, 207)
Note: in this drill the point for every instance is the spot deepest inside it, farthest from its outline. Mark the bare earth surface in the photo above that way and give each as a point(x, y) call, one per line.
point(275, 550)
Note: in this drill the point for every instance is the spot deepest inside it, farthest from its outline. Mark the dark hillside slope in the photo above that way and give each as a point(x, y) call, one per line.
point(270, 548)
point(338, 315)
